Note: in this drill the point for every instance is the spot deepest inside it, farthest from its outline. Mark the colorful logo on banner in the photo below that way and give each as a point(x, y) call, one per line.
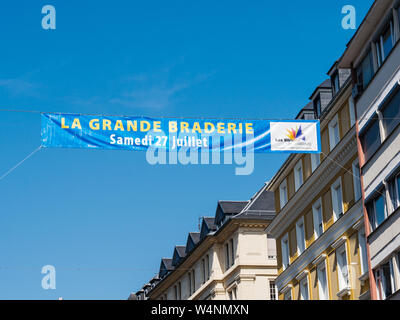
point(142, 133)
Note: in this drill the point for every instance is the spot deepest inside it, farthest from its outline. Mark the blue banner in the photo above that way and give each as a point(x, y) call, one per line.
point(142, 133)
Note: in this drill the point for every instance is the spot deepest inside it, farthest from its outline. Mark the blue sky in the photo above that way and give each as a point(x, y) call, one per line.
point(105, 218)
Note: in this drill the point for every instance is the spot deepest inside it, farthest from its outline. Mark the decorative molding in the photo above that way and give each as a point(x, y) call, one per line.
point(344, 292)
point(338, 242)
point(358, 225)
point(318, 260)
point(286, 288)
point(302, 274)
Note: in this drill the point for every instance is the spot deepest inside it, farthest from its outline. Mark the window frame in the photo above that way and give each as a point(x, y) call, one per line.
point(362, 246)
point(343, 278)
point(356, 180)
point(333, 139)
point(315, 161)
point(372, 204)
point(324, 290)
point(315, 206)
point(285, 253)
point(303, 283)
point(283, 189)
point(381, 280)
point(300, 227)
point(273, 293)
point(298, 180)
point(338, 182)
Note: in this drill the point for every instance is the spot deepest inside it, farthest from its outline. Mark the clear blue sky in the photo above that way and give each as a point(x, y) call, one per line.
point(105, 218)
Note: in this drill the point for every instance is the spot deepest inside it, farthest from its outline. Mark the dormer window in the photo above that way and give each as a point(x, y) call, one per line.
point(335, 83)
point(317, 106)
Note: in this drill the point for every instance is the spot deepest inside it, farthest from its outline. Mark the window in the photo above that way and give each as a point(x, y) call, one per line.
point(203, 268)
point(317, 106)
point(370, 138)
point(194, 280)
point(352, 112)
point(334, 136)
point(208, 266)
point(232, 253)
point(272, 290)
point(376, 209)
point(298, 175)
point(365, 71)
point(233, 294)
point(175, 292)
point(343, 272)
point(335, 82)
point(385, 43)
point(317, 217)
point(288, 295)
point(283, 193)
point(304, 289)
point(337, 203)
point(301, 241)
point(362, 242)
point(391, 112)
point(227, 264)
point(385, 280)
point(315, 161)
point(322, 282)
point(179, 291)
point(356, 180)
point(394, 186)
point(190, 283)
point(285, 251)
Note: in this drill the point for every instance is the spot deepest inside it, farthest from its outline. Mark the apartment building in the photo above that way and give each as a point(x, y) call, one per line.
point(318, 227)
point(373, 54)
point(230, 258)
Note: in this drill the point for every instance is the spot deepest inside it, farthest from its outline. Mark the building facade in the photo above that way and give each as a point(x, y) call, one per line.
point(320, 240)
point(373, 54)
point(230, 258)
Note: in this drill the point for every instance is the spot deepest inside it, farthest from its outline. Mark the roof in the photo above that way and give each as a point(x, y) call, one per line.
point(192, 240)
point(165, 266)
point(179, 254)
point(264, 202)
point(326, 84)
point(207, 226)
point(364, 31)
point(232, 207)
point(228, 208)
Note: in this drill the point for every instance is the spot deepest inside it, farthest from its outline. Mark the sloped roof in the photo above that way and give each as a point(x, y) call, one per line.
point(228, 208)
point(232, 207)
point(207, 226)
point(326, 84)
point(179, 254)
point(165, 266)
point(192, 240)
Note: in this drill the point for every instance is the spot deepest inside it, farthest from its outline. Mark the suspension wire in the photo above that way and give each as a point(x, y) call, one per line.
point(339, 165)
point(161, 117)
point(19, 163)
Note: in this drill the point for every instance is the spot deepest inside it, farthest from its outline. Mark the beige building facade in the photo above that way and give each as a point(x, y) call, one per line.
point(231, 258)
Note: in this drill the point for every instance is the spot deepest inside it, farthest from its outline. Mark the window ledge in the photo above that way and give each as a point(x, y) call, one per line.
point(344, 292)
